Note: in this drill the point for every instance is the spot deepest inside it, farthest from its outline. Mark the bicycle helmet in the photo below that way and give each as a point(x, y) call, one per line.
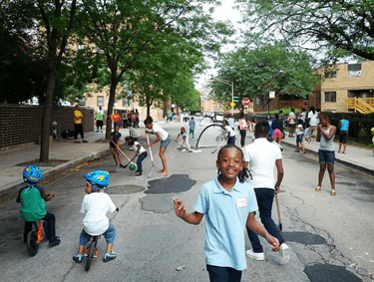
point(32, 175)
point(99, 179)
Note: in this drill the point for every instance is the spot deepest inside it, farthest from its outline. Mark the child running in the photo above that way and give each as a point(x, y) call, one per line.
point(299, 136)
point(95, 205)
point(230, 133)
point(114, 144)
point(162, 136)
point(140, 152)
point(229, 204)
point(326, 152)
point(192, 127)
point(183, 134)
point(32, 198)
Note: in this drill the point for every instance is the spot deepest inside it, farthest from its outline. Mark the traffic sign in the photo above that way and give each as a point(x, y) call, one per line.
point(232, 104)
point(245, 102)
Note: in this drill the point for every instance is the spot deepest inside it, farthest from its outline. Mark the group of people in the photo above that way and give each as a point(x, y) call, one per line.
point(128, 119)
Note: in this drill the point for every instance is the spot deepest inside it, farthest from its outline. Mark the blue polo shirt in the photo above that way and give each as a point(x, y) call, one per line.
point(226, 214)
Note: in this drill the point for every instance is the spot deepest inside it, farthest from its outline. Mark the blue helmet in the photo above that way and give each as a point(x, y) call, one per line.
point(32, 175)
point(98, 179)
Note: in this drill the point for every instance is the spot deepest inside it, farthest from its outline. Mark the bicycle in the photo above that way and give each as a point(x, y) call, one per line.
point(92, 248)
point(34, 237)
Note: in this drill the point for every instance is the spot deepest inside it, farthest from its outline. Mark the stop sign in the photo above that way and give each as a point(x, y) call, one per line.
point(245, 101)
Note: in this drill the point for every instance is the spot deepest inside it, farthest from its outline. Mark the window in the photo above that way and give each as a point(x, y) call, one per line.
point(354, 70)
point(332, 75)
point(125, 102)
point(82, 101)
point(330, 97)
point(100, 101)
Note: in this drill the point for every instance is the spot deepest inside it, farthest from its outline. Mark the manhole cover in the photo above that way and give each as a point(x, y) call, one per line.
point(124, 189)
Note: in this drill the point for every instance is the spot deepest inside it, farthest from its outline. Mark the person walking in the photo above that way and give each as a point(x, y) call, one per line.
point(261, 157)
point(78, 127)
point(243, 129)
point(343, 127)
point(326, 152)
point(277, 126)
point(292, 122)
point(313, 121)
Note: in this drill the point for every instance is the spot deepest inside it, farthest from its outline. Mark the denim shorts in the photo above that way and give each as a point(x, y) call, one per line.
point(109, 235)
point(326, 157)
point(165, 143)
point(299, 138)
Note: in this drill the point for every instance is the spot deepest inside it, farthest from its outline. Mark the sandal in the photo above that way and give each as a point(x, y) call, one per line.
point(318, 189)
point(333, 193)
point(164, 174)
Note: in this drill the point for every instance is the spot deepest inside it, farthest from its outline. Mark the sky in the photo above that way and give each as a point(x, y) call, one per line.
point(224, 12)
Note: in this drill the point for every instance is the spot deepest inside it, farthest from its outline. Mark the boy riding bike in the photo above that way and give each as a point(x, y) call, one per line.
point(32, 198)
point(95, 205)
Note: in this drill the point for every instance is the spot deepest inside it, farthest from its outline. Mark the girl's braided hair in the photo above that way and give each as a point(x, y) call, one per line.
point(245, 173)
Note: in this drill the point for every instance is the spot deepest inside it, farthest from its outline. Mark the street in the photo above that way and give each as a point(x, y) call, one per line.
point(329, 237)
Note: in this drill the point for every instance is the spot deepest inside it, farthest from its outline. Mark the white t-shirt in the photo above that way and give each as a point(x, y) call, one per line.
point(141, 150)
point(163, 134)
point(95, 206)
point(313, 118)
point(134, 133)
point(186, 142)
point(228, 129)
point(261, 156)
point(299, 129)
point(293, 118)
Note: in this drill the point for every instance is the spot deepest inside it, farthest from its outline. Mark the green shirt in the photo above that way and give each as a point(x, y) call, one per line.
point(33, 206)
point(99, 114)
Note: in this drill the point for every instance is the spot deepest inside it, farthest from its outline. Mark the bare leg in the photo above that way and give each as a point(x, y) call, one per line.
point(330, 169)
point(119, 158)
point(163, 160)
point(114, 156)
point(340, 146)
point(80, 250)
point(302, 146)
point(345, 147)
point(322, 168)
point(109, 248)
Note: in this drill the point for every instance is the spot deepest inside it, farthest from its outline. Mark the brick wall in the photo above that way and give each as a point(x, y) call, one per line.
point(21, 124)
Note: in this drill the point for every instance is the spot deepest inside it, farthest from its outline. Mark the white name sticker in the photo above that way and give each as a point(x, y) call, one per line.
point(241, 202)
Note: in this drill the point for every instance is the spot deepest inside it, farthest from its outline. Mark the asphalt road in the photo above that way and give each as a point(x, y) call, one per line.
point(330, 237)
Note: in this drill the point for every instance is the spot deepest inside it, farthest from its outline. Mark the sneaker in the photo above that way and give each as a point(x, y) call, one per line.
point(256, 256)
point(333, 193)
point(284, 253)
point(297, 151)
point(78, 258)
point(339, 151)
point(138, 174)
point(309, 140)
point(108, 257)
point(343, 152)
point(54, 241)
point(303, 152)
point(88, 250)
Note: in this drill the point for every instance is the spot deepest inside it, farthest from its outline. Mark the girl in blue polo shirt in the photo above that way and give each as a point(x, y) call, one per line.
point(228, 203)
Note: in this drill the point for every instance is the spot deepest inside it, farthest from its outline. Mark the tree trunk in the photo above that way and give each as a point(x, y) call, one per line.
point(47, 111)
point(112, 98)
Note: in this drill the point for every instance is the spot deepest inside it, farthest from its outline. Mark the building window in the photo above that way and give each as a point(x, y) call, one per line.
point(100, 101)
point(125, 102)
point(82, 101)
point(330, 97)
point(331, 75)
point(354, 70)
point(258, 101)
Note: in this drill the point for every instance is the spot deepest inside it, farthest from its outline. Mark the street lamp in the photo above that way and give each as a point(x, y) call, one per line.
point(278, 72)
point(232, 89)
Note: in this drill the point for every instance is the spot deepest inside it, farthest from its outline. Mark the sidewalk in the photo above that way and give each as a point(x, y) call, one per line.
point(355, 157)
point(11, 177)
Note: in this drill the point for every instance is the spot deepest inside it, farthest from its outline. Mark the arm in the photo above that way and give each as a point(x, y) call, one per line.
point(137, 152)
point(331, 134)
point(257, 228)
point(48, 197)
point(319, 129)
point(279, 165)
point(157, 139)
point(177, 137)
point(191, 218)
point(340, 124)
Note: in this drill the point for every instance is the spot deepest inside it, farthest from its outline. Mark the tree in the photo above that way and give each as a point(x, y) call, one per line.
point(270, 67)
point(341, 26)
point(124, 32)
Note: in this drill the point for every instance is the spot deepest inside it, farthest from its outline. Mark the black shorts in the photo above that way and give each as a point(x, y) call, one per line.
point(343, 137)
point(99, 123)
point(78, 128)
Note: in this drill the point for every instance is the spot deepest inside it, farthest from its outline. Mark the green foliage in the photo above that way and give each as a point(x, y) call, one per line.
point(343, 27)
point(267, 68)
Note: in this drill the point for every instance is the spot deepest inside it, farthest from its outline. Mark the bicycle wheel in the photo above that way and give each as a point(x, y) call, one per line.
point(90, 255)
point(32, 246)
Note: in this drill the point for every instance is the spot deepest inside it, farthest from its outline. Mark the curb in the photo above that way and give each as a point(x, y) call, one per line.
point(343, 162)
point(91, 157)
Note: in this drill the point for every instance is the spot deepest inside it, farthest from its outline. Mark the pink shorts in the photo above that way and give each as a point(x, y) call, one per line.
point(277, 134)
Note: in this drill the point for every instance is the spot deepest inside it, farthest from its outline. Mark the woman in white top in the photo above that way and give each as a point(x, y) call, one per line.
point(162, 136)
point(313, 120)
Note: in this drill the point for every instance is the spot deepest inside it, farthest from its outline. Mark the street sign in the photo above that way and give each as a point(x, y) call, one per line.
point(245, 102)
point(232, 104)
point(271, 94)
